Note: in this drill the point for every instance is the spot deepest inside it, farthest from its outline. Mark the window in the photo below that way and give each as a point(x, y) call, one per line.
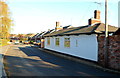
point(57, 41)
point(67, 42)
point(48, 41)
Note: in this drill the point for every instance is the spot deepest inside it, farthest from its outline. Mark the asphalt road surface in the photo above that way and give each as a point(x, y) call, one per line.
point(24, 60)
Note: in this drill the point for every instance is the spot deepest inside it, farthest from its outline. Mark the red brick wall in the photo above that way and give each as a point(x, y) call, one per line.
point(113, 52)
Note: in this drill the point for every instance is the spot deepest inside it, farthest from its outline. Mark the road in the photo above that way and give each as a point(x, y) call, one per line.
point(24, 60)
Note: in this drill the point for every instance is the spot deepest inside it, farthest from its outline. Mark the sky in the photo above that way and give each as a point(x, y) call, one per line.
point(34, 16)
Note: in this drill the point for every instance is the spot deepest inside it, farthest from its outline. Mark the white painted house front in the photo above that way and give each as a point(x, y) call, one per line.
point(84, 46)
point(78, 41)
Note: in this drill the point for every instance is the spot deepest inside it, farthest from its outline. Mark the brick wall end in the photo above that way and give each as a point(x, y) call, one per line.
point(113, 52)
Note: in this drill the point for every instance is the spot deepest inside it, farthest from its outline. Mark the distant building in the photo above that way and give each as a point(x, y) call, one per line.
point(34, 38)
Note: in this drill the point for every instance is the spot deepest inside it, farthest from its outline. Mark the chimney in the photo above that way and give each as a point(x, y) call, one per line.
point(57, 24)
point(96, 18)
point(58, 27)
point(97, 14)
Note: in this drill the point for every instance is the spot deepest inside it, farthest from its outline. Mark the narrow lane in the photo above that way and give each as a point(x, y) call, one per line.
point(23, 60)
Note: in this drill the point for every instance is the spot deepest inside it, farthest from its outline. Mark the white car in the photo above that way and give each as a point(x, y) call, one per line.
point(17, 42)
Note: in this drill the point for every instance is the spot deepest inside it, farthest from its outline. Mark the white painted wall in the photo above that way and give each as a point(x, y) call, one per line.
point(87, 46)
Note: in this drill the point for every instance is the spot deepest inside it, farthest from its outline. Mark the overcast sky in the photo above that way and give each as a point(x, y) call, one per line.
point(32, 16)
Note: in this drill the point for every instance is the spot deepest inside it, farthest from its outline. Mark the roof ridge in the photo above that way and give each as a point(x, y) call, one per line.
point(96, 26)
point(76, 28)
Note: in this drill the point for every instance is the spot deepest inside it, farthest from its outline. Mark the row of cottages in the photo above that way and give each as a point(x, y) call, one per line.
point(34, 38)
point(78, 41)
point(39, 37)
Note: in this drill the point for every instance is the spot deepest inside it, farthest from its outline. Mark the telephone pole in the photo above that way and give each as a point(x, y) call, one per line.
point(106, 34)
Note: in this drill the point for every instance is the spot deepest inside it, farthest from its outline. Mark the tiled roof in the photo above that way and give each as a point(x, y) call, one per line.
point(35, 35)
point(62, 32)
point(44, 33)
point(96, 28)
point(40, 34)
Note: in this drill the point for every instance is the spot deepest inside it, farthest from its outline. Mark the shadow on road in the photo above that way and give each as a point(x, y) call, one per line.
point(18, 67)
point(39, 63)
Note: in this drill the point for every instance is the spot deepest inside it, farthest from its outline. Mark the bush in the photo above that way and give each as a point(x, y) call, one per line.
point(4, 42)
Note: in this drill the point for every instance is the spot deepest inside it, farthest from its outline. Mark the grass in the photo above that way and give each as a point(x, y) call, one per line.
point(3, 42)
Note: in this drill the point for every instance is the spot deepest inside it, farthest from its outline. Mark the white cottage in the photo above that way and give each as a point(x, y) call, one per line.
point(78, 41)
